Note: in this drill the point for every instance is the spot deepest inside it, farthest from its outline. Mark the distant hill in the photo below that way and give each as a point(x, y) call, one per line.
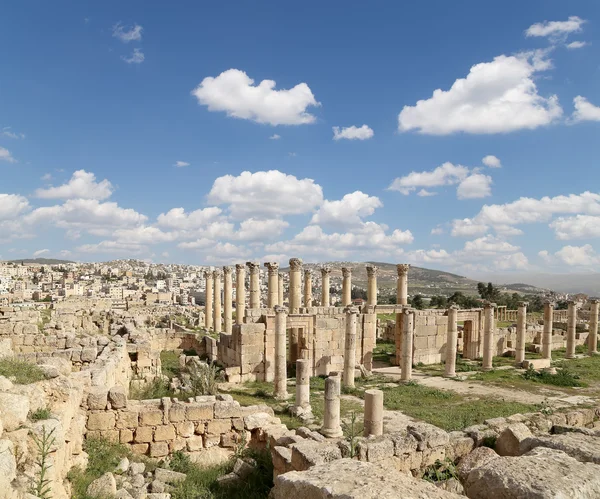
point(41, 261)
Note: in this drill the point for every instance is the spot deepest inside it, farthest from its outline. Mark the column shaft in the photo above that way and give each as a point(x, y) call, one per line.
point(346, 286)
point(273, 284)
point(593, 335)
point(295, 299)
point(407, 344)
point(307, 288)
point(217, 301)
point(331, 416)
point(373, 419)
point(521, 328)
point(325, 271)
point(280, 289)
point(547, 334)
point(302, 383)
point(571, 330)
point(372, 285)
point(451, 339)
point(350, 347)
point(280, 353)
point(488, 336)
point(240, 293)
point(402, 289)
point(227, 296)
point(208, 300)
point(254, 285)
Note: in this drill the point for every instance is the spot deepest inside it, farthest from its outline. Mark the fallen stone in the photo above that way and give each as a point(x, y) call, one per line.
point(229, 480)
point(479, 457)
point(97, 399)
point(123, 494)
point(582, 447)
point(511, 441)
point(451, 485)
point(8, 464)
point(117, 396)
point(13, 410)
point(156, 486)
point(242, 469)
point(50, 372)
point(123, 466)
point(168, 476)
point(310, 453)
point(105, 486)
point(254, 421)
point(137, 468)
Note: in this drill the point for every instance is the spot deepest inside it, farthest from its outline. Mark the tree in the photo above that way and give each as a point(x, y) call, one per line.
point(417, 302)
point(438, 301)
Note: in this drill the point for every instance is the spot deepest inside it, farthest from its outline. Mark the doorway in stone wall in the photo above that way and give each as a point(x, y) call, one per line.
point(469, 348)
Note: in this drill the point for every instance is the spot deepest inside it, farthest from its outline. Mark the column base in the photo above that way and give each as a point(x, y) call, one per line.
point(487, 368)
point(282, 396)
point(332, 432)
point(449, 375)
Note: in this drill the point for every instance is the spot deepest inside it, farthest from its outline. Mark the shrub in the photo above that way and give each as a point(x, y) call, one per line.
point(41, 414)
point(204, 378)
point(563, 377)
point(440, 471)
point(20, 371)
point(156, 389)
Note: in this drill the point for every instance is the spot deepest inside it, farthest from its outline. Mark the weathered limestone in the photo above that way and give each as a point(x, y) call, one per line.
point(303, 383)
point(254, 285)
point(488, 336)
point(295, 297)
point(325, 272)
point(547, 334)
point(280, 289)
point(307, 288)
point(373, 413)
point(372, 285)
point(217, 300)
point(208, 301)
point(402, 289)
point(408, 319)
point(227, 296)
point(593, 336)
point(331, 416)
point(240, 293)
point(273, 284)
point(280, 354)
point(571, 329)
point(346, 286)
point(350, 347)
point(521, 328)
point(451, 339)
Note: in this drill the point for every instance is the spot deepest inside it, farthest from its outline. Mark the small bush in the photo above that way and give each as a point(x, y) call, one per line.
point(156, 389)
point(204, 378)
point(440, 471)
point(20, 371)
point(41, 414)
point(562, 377)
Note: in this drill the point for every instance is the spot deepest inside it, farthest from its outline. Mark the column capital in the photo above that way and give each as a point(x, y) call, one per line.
point(280, 310)
point(351, 310)
point(347, 271)
point(307, 273)
point(372, 270)
point(295, 264)
point(402, 269)
point(550, 303)
point(239, 267)
point(208, 274)
point(572, 302)
point(488, 304)
point(226, 270)
point(281, 274)
point(272, 266)
point(253, 267)
point(216, 273)
point(454, 306)
point(594, 301)
point(523, 304)
point(325, 270)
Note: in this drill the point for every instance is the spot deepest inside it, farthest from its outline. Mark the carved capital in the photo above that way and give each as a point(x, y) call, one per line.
point(402, 269)
point(594, 301)
point(307, 274)
point(273, 267)
point(208, 274)
point(253, 267)
point(281, 274)
point(295, 264)
point(488, 304)
point(217, 273)
point(372, 270)
point(549, 303)
point(280, 310)
point(523, 304)
point(351, 310)
point(346, 271)
point(226, 270)
point(325, 270)
point(239, 267)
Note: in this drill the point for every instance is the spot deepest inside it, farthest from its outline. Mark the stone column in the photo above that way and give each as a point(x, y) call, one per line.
point(373, 419)
point(350, 347)
point(303, 383)
point(402, 289)
point(408, 318)
point(325, 271)
point(372, 285)
point(521, 328)
point(280, 353)
point(240, 293)
point(280, 289)
point(208, 300)
point(593, 336)
point(451, 339)
point(254, 284)
point(227, 294)
point(488, 336)
point(571, 329)
point(331, 416)
point(217, 300)
point(273, 284)
point(295, 294)
point(547, 334)
point(307, 288)
point(346, 286)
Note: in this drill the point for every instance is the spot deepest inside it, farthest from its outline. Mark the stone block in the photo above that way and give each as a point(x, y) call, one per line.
point(177, 413)
point(218, 426)
point(536, 363)
point(185, 429)
point(117, 396)
point(179, 444)
point(101, 420)
point(125, 436)
point(511, 441)
point(97, 399)
point(151, 417)
point(197, 412)
point(227, 410)
point(159, 449)
point(309, 453)
point(143, 434)
point(194, 443)
point(127, 419)
point(164, 433)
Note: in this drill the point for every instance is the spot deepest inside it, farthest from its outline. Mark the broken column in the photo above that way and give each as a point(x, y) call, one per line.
point(294, 299)
point(240, 293)
point(571, 329)
point(593, 335)
point(521, 328)
point(303, 384)
point(402, 289)
point(350, 347)
point(451, 339)
point(307, 288)
point(372, 285)
point(373, 419)
point(254, 268)
point(331, 416)
point(280, 353)
point(208, 300)
point(547, 334)
point(227, 295)
point(272, 284)
point(408, 322)
point(325, 271)
point(217, 300)
point(488, 336)
point(346, 286)
point(280, 289)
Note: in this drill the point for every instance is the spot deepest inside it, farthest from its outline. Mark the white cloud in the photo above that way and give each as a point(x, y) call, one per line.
point(489, 245)
point(143, 235)
point(234, 93)
point(425, 193)
point(446, 174)
point(577, 227)
point(476, 185)
point(491, 161)
point(352, 133)
point(117, 247)
point(496, 97)
point(6, 156)
point(46, 177)
point(181, 164)
point(579, 256)
point(584, 110)
point(12, 205)
point(7, 132)
point(516, 261)
point(82, 185)
point(40, 252)
point(127, 35)
point(265, 194)
point(546, 256)
point(436, 231)
point(555, 29)
point(467, 228)
point(576, 45)
point(136, 57)
point(346, 212)
point(275, 136)
point(254, 229)
point(177, 218)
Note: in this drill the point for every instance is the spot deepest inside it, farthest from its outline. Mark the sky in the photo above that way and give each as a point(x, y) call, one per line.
point(456, 136)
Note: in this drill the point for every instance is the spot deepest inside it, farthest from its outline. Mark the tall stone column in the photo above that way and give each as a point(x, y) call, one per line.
point(325, 271)
point(373, 419)
point(227, 296)
point(372, 285)
point(489, 328)
point(451, 339)
point(408, 323)
point(272, 284)
point(217, 300)
point(402, 289)
point(307, 288)
point(254, 301)
point(571, 329)
point(295, 297)
point(521, 328)
point(331, 416)
point(280, 353)
point(548, 326)
point(593, 336)
point(303, 383)
point(346, 286)
point(240, 293)
point(280, 289)
point(208, 300)
point(350, 347)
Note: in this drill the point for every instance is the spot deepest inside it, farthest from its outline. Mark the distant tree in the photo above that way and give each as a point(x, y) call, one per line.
point(562, 305)
point(358, 293)
point(417, 302)
point(438, 301)
point(391, 300)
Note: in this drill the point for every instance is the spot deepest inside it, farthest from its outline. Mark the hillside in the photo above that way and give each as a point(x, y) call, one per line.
point(41, 261)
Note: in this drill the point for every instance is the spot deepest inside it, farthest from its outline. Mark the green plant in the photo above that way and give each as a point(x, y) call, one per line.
point(20, 371)
point(489, 442)
point(563, 377)
point(158, 388)
point(44, 443)
point(204, 378)
point(351, 432)
point(40, 414)
point(441, 471)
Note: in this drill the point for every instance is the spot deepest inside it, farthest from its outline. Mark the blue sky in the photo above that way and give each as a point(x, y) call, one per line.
point(98, 103)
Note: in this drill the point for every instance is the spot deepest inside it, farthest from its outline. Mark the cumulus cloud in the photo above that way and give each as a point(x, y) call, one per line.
point(40, 252)
point(346, 212)
point(352, 133)
point(467, 228)
point(254, 229)
point(446, 174)
point(181, 164)
point(7, 132)
point(275, 136)
point(496, 97)
point(126, 35)
point(577, 227)
point(491, 161)
point(576, 45)
point(136, 57)
point(82, 185)
point(578, 256)
point(143, 234)
point(5, 155)
point(12, 205)
point(234, 92)
point(177, 218)
point(489, 245)
point(516, 261)
point(425, 193)
point(584, 110)
point(555, 29)
point(113, 247)
point(476, 185)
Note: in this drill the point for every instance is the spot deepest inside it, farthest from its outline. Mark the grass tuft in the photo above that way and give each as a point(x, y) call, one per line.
point(20, 371)
point(41, 414)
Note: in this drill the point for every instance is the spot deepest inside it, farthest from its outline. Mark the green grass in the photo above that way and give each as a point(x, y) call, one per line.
point(169, 362)
point(563, 377)
point(20, 371)
point(386, 317)
point(156, 389)
point(41, 414)
point(382, 352)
